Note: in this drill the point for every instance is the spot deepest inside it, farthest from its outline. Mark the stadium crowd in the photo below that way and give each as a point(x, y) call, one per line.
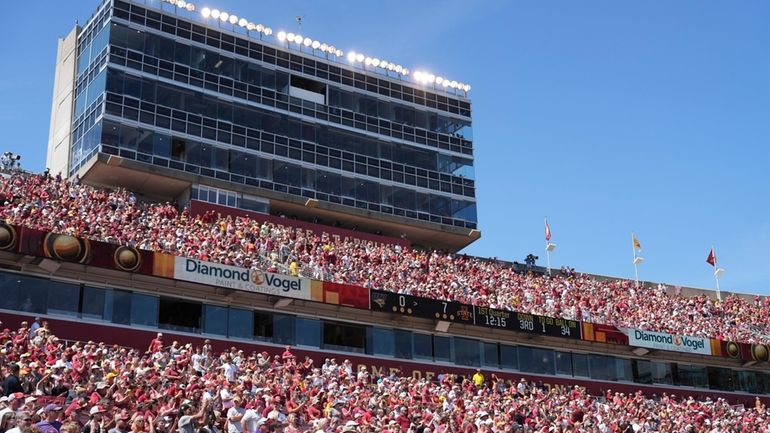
point(52, 387)
point(50, 203)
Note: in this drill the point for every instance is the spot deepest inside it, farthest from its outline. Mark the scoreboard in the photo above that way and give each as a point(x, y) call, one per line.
point(474, 315)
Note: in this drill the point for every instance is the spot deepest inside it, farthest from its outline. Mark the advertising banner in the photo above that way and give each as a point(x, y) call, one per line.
point(671, 342)
point(237, 278)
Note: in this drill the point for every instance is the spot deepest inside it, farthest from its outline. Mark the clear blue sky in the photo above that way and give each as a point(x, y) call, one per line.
point(608, 117)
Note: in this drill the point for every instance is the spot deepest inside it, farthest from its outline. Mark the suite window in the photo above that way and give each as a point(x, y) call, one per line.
point(33, 297)
point(403, 344)
point(308, 332)
point(346, 337)
point(178, 315)
point(63, 298)
point(534, 360)
point(144, 310)
point(94, 304)
point(382, 341)
point(691, 375)
point(509, 357)
point(239, 323)
point(263, 326)
point(283, 329)
point(580, 364)
point(490, 355)
point(121, 306)
point(467, 352)
point(563, 361)
point(423, 346)
point(215, 320)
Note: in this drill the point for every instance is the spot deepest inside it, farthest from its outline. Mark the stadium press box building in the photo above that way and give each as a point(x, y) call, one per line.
point(216, 111)
point(180, 102)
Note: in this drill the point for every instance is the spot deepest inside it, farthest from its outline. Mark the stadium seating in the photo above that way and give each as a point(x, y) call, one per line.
point(102, 387)
point(47, 203)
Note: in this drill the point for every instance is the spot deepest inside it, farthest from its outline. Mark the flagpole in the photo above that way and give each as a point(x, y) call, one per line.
point(716, 275)
point(633, 252)
point(547, 250)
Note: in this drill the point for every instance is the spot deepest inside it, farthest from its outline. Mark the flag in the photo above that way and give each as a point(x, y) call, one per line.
point(712, 258)
point(635, 241)
point(547, 231)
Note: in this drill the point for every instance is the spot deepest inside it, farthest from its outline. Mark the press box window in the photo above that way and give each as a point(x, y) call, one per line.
point(341, 336)
point(309, 90)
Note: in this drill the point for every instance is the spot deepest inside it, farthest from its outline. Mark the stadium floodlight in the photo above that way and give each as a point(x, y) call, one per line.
point(445, 83)
point(550, 247)
point(215, 14)
point(338, 53)
point(243, 22)
point(467, 88)
point(360, 57)
point(352, 56)
point(251, 26)
point(298, 39)
point(224, 16)
point(405, 71)
point(368, 61)
point(282, 36)
point(638, 260)
point(307, 42)
point(233, 19)
point(190, 7)
point(718, 272)
point(316, 45)
point(399, 68)
point(453, 84)
point(290, 37)
point(205, 12)
point(260, 28)
point(181, 4)
point(375, 62)
point(268, 31)
point(325, 48)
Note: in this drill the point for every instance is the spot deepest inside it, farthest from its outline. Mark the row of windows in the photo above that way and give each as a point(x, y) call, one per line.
point(223, 197)
point(257, 170)
point(42, 296)
point(203, 116)
point(198, 33)
point(157, 51)
point(271, 88)
point(93, 38)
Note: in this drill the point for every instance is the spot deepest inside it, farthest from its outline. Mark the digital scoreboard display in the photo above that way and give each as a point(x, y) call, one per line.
point(473, 315)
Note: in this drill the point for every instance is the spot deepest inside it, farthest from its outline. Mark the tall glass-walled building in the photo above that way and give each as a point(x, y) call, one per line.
point(177, 102)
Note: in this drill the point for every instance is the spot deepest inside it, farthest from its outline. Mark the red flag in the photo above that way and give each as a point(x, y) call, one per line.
point(712, 258)
point(547, 231)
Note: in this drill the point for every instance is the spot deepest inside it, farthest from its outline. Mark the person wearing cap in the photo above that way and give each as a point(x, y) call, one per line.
point(186, 423)
point(95, 421)
point(34, 327)
point(51, 423)
point(235, 416)
point(156, 344)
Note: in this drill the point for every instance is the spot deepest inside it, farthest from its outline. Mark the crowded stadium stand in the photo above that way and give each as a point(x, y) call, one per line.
point(252, 232)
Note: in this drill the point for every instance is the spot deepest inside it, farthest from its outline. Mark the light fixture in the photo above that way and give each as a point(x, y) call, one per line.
point(233, 19)
point(467, 88)
point(260, 28)
point(307, 42)
point(181, 4)
point(281, 36)
point(243, 22)
point(215, 13)
point(360, 57)
point(338, 53)
point(324, 48)
point(268, 31)
point(399, 68)
point(315, 45)
point(250, 26)
point(190, 7)
point(206, 12)
point(224, 16)
point(290, 37)
point(352, 56)
point(375, 62)
point(298, 39)
point(368, 61)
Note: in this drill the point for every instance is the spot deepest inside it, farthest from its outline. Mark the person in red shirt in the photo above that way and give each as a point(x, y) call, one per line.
point(156, 344)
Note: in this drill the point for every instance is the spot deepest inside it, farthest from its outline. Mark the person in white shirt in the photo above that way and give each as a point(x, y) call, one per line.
point(235, 416)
